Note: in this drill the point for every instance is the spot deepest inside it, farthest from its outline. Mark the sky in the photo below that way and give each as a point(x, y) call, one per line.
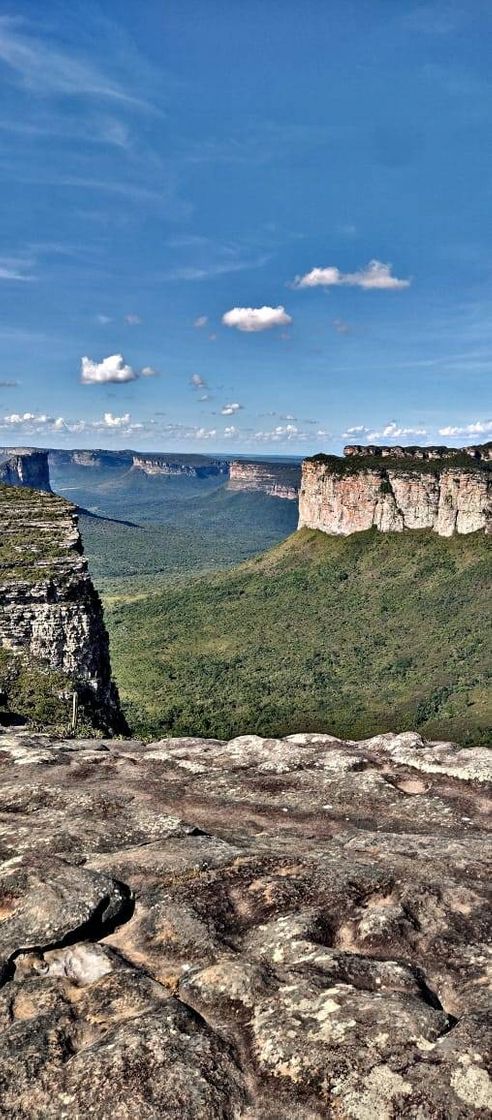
point(234, 227)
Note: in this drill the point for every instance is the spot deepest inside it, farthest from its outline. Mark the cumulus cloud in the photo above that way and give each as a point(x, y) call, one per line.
point(133, 320)
point(230, 409)
point(231, 432)
point(376, 275)
point(198, 382)
point(388, 431)
point(200, 322)
point(256, 318)
point(477, 428)
point(280, 434)
point(41, 422)
point(111, 369)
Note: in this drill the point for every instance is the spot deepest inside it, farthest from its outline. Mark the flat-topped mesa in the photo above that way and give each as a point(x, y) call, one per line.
point(50, 613)
point(372, 451)
point(278, 480)
point(192, 467)
point(26, 467)
point(360, 492)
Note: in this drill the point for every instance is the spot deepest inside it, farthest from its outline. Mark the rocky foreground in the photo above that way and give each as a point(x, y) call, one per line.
point(256, 929)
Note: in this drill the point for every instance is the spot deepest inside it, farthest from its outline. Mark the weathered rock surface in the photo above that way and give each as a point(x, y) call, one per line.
point(278, 480)
point(391, 498)
point(253, 930)
point(49, 608)
point(26, 467)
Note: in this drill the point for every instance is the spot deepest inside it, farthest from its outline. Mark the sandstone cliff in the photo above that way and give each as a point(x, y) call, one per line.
point(50, 612)
point(191, 466)
point(279, 480)
point(26, 467)
point(259, 929)
point(343, 496)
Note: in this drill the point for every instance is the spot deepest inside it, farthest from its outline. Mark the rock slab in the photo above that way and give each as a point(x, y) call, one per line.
point(263, 928)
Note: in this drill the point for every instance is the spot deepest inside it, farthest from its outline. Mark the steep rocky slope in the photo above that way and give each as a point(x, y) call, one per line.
point(50, 613)
point(250, 930)
point(26, 467)
point(342, 496)
point(279, 480)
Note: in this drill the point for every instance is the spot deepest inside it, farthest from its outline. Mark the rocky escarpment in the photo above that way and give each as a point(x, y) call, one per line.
point(26, 467)
point(482, 452)
point(278, 480)
point(50, 612)
point(192, 466)
point(258, 929)
point(350, 495)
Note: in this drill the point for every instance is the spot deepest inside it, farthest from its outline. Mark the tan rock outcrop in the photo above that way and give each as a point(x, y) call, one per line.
point(391, 498)
point(49, 608)
point(278, 480)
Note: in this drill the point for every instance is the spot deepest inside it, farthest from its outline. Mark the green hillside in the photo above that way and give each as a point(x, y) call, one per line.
point(214, 530)
point(350, 635)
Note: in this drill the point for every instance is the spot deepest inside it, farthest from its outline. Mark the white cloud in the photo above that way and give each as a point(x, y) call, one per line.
point(103, 319)
point(478, 428)
point(375, 275)
point(389, 431)
point(14, 268)
point(230, 409)
point(231, 432)
point(256, 318)
point(197, 381)
point(41, 423)
point(133, 320)
point(283, 433)
point(200, 321)
point(111, 369)
point(340, 326)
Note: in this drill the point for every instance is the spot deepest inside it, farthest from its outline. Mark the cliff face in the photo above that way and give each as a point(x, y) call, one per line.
point(393, 497)
point(158, 465)
point(279, 480)
point(50, 611)
point(26, 467)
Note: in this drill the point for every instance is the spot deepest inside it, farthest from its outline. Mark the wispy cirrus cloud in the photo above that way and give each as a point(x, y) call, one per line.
point(376, 276)
point(111, 369)
point(252, 319)
point(16, 268)
point(46, 67)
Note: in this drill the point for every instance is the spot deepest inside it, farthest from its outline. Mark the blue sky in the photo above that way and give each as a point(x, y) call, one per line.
point(260, 227)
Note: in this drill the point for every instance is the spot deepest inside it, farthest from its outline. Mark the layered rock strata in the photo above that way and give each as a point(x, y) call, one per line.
point(254, 930)
point(49, 608)
point(160, 465)
point(278, 480)
point(26, 467)
point(392, 498)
